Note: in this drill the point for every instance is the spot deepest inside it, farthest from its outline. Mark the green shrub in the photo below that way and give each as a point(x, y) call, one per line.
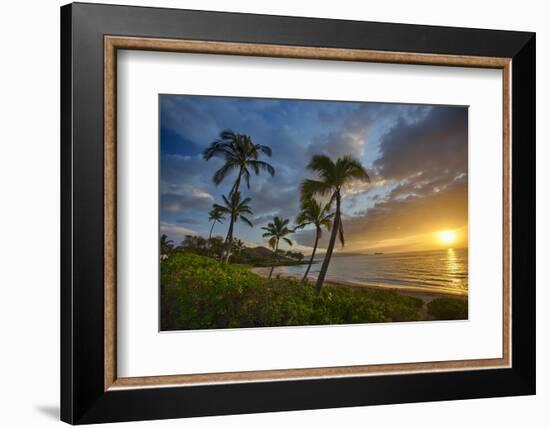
point(198, 292)
point(446, 308)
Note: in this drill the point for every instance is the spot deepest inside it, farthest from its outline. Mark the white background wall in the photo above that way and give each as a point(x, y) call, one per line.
point(29, 217)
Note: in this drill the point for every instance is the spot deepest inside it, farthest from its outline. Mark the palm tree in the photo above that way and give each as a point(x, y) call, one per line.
point(235, 209)
point(215, 216)
point(238, 245)
point(276, 231)
point(239, 153)
point(311, 212)
point(333, 177)
point(166, 245)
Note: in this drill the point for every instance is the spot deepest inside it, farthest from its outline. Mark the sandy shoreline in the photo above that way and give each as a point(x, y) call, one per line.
point(424, 293)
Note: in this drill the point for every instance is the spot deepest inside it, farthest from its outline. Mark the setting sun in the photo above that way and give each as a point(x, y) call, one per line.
point(447, 236)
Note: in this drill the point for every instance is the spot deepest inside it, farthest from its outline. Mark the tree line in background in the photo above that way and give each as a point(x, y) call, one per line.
point(241, 154)
point(214, 247)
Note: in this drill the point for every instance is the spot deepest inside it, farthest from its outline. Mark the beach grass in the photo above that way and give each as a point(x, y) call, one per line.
point(446, 308)
point(198, 292)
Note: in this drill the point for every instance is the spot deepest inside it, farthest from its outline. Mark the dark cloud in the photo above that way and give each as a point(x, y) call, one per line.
point(336, 144)
point(437, 144)
point(269, 200)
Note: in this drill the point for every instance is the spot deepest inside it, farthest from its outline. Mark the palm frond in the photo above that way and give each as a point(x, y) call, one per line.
point(227, 135)
point(266, 150)
point(341, 233)
point(246, 175)
point(288, 241)
point(259, 165)
point(327, 222)
point(245, 201)
point(221, 173)
point(353, 168)
point(224, 146)
point(216, 215)
point(216, 148)
point(277, 229)
point(222, 209)
point(300, 224)
point(226, 200)
point(321, 164)
point(238, 151)
point(312, 188)
point(270, 227)
point(246, 220)
point(246, 210)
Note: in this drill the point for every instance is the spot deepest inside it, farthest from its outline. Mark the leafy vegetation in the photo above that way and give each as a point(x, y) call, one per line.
point(199, 292)
point(166, 245)
point(447, 308)
point(214, 247)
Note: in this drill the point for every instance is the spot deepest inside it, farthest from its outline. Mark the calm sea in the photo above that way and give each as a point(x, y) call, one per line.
point(438, 269)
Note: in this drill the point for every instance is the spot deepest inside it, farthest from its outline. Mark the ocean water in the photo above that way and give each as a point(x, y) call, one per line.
point(438, 269)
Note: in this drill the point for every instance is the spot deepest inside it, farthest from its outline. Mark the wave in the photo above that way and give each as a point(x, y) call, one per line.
point(438, 269)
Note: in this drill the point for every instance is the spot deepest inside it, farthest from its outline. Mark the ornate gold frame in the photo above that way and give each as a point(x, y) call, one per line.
point(113, 43)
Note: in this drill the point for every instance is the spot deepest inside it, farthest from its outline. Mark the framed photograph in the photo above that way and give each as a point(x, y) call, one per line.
point(266, 213)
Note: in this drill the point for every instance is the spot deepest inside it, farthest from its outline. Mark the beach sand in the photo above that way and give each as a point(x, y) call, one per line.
point(427, 295)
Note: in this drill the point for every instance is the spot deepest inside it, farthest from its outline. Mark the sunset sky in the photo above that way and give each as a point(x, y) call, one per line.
point(416, 155)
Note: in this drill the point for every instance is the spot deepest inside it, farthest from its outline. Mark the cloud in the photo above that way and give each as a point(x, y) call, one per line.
point(178, 169)
point(183, 197)
point(420, 182)
point(399, 218)
point(337, 143)
point(188, 220)
point(188, 118)
point(175, 232)
point(438, 144)
point(416, 156)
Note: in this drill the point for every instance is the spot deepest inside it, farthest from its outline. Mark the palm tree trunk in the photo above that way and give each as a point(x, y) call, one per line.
point(330, 248)
point(228, 241)
point(229, 237)
point(304, 279)
point(237, 183)
point(211, 229)
point(274, 259)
